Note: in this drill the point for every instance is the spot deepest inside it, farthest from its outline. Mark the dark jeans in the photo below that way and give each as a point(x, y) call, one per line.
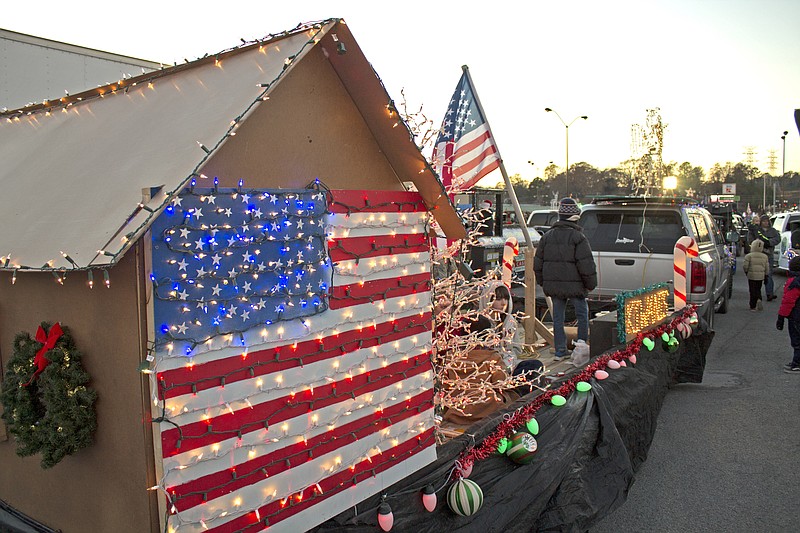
point(769, 284)
point(794, 336)
point(755, 291)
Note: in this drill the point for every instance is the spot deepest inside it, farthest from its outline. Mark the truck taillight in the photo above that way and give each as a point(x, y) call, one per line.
point(698, 277)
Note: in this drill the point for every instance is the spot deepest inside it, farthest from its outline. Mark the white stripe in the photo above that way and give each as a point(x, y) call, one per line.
point(466, 158)
point(346, 499)
point(300, 477)
point(472, 135)
point(375, 224)
point(215, 401)
point(486, 162)
point(383, 267)
point(328, 323)
point(205, 460)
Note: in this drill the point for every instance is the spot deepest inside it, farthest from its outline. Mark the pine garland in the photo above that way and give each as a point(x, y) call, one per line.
point(52, 413)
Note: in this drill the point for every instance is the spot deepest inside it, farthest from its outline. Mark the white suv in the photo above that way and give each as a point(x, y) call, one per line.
point(633, 240)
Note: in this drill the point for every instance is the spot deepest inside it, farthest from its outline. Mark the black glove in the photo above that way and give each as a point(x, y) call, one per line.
point(779, 323)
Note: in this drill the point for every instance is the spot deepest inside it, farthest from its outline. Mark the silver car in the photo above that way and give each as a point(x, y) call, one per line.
point(633, 240)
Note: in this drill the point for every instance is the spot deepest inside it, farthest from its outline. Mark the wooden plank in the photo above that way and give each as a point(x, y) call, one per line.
point(533, 326)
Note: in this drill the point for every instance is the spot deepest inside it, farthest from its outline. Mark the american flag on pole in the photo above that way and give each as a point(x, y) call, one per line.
point(292, 367)
point(465, 150)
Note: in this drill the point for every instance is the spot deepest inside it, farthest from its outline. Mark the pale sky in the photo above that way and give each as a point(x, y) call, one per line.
point(725, 73)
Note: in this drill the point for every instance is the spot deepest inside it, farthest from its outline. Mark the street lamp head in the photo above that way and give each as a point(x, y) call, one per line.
point(584, 117)
point(786, 133)
point(547, 109)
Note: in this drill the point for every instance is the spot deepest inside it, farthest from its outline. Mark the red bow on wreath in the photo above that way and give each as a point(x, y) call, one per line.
point(49, 340)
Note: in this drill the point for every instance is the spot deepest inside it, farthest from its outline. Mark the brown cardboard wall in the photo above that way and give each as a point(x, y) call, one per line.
point(309, 128)
point(103, 487)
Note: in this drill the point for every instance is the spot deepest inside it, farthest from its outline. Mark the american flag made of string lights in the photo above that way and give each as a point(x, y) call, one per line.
point(292, 371)
point(465, 150)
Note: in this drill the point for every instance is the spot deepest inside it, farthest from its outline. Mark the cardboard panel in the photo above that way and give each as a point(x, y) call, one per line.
point(309, 128)
point(103, 487)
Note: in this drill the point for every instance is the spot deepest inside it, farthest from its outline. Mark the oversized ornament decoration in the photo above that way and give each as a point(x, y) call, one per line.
point(522, 448)
point(465, 497)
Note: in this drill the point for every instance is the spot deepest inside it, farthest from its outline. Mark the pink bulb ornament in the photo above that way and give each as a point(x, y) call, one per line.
point(613, 364)
point(623, 363)
point(632, 359)
point(385, 517)
point(600, 374)
point(429, 498)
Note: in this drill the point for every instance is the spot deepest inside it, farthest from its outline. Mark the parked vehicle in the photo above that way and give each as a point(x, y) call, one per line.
point(785, 224)
point(542, 219)
point(633, 240)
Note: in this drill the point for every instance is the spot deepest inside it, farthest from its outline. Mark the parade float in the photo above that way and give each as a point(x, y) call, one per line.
point(218, 317)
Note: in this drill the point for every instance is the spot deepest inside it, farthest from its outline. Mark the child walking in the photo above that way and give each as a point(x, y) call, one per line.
point(756, 264)
point(789, 309)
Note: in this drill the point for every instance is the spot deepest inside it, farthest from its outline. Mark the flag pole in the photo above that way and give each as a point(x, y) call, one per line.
point(530, 278)
point(511, 194)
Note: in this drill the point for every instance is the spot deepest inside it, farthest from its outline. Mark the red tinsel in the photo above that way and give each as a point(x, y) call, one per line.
point(514, 421)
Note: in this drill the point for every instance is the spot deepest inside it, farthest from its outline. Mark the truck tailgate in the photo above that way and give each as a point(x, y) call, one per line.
point(621, 271)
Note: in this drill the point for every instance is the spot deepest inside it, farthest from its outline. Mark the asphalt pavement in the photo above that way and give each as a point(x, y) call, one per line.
point(726, 454)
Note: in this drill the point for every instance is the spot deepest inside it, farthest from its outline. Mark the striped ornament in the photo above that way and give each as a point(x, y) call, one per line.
point(465, 497)
point(522, 448)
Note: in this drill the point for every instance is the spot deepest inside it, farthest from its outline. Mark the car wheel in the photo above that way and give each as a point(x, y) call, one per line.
point(710, 317)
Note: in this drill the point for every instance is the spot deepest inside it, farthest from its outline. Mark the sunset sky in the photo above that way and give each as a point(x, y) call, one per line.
point(725, 73)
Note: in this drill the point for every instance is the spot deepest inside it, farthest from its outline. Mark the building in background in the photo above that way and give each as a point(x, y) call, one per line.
point(33, 69)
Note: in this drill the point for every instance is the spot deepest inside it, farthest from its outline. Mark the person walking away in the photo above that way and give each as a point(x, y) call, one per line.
point(566, 271)
point(770, 237)
point(791, 311)
point(756, 266)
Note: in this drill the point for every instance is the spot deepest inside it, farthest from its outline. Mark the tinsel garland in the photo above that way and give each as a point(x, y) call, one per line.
point(625, 295)
point(514, 421)
point(46, 404)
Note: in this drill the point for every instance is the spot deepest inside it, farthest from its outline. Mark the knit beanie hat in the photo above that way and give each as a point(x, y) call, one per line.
point(568, 209)
point(794, 264)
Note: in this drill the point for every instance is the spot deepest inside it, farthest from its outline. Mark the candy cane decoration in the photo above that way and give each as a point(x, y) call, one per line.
point(685, 247)
point(510, 251)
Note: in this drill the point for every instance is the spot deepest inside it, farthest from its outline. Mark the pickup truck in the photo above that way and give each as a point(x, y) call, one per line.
point(633, 239)
point(785, 224)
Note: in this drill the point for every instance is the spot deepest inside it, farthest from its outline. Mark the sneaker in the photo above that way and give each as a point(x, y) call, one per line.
point(562, 357)
point(759, 305)
point(771, 297)
point(787, 366)
point(753, 309)
point(792, 370)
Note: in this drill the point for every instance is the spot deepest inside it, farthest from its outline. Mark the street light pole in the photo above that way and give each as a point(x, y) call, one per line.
point(566, 128)
point(783, 165)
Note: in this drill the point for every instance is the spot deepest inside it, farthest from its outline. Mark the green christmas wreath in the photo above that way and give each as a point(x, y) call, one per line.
point(46, 404)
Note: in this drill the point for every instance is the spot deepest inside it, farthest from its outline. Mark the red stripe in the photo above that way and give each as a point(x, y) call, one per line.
point(332, 485)
point(689, 251)
point(477, 142)
point(376, 201)
point(381, 289)
point(179, 381)
point(679, 294)
point(247, 420)
point(225, 481)
point(472, 164)
point(376, 245)
point(680, 271)
point(477, 177)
